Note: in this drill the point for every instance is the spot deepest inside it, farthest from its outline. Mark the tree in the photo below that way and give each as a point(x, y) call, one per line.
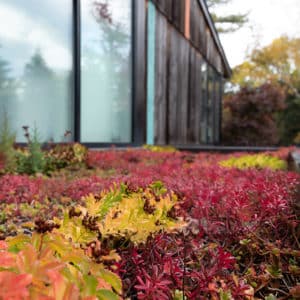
point(7, 87)
point(228, 23)
point(250, 116)
point(279, 65)
point(110, 50)
point(40, 95)
point(278, 62)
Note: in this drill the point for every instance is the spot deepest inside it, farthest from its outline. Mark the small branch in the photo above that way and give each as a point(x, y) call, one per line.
point(278, 290)
point(295, 237)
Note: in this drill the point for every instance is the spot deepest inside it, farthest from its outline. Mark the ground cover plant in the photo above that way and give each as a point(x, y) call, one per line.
point(150, 223)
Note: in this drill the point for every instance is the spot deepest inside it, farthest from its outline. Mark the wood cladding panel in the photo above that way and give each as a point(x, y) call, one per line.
point(218, 108)
point(202, 29)
point(178, 17)
point(209, 47)
point(198, 29)
point(195, 37)
point(161, 73)
point(184, 99)
point(195, 98)
point(165, 7)
point(178, 88)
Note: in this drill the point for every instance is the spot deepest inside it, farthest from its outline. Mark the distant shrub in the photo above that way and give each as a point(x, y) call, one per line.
point(64, 155)
point(32, 159)
point(7, 141)
point(258, 161)
point(250, 116)
point(156, 148)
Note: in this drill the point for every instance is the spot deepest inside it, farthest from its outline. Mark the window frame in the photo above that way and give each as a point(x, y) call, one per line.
point(138, 76)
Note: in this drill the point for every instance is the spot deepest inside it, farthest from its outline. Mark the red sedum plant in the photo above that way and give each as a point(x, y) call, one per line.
point(238, 236)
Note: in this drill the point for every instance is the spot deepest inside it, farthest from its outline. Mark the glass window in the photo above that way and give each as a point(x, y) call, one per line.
point(204, 93)
point(36, 66)
point(106, 71)
point(218, 106)
point(210, 104)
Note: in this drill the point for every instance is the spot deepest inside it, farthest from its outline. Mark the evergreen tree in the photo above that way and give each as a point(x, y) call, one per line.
point(228, 23)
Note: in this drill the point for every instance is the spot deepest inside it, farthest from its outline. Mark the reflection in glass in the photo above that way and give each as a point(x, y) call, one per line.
point(204, 103)
point(210, 104)
point(218, 108)
point(106, 71)
point(36, 66)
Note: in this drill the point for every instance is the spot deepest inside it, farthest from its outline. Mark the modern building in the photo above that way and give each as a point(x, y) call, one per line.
point(122, 72)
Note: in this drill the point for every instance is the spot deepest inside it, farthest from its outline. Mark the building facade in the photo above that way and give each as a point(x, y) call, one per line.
point(122, 72)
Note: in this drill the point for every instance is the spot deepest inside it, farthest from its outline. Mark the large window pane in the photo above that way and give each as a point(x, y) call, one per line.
point(106, 71)
point(210, 104)
point(204, 94)
point(36, 66)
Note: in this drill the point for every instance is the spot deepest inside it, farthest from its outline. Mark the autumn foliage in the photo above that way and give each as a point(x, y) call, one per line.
point(138, 224)
point(250, 116)
point(277, 64)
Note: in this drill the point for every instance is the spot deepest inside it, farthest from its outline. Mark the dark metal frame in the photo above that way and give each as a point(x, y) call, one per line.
point(138, 86)
point(139, 71)
point(76, 67)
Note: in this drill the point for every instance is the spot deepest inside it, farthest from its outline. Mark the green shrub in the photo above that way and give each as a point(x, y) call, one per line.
point(63, 155)
point(156, 148)
point(7, 141)
point(31, 160)
point(258, 161)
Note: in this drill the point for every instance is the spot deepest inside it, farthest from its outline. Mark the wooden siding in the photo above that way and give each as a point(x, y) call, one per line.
point(188, 68)
point(161, 89)
point(178, 88)
point(199, 32)
point(195, 97)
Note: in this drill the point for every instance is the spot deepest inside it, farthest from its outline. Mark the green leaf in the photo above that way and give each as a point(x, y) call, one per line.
point(112, 279)
point(270, 297)
point(178, 295)
point(90, 284)
point(225, 295)
point(106, 295)
point(17, 243)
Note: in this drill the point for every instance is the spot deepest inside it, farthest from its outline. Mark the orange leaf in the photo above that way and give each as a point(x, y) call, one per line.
point(14, 286)
point(3, 245)
point(7, 260)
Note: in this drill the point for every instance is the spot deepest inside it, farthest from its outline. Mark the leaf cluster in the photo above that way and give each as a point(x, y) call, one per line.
point(257, 161)
point(7, 141)
point(250, 116)
point(239, 239)
point(121, 214)
point(226, 23)
point(50, 267)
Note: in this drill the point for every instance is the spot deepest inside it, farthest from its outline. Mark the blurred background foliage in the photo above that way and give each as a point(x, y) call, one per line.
point(261, 106)
point(262, 103)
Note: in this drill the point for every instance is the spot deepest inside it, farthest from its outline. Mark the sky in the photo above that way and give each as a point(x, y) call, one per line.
point(268, 19)
point(30, 28)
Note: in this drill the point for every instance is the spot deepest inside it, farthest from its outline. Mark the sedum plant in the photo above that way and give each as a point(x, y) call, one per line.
point(157, 148)
point(257, 161)
point(7, 141)
point(140, 215)
point(64, 155)
point(121, 214)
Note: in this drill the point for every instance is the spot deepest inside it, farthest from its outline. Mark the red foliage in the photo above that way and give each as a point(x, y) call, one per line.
point(19, 189)
point(252, 121)
point(2, 161)
point(228, 211)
